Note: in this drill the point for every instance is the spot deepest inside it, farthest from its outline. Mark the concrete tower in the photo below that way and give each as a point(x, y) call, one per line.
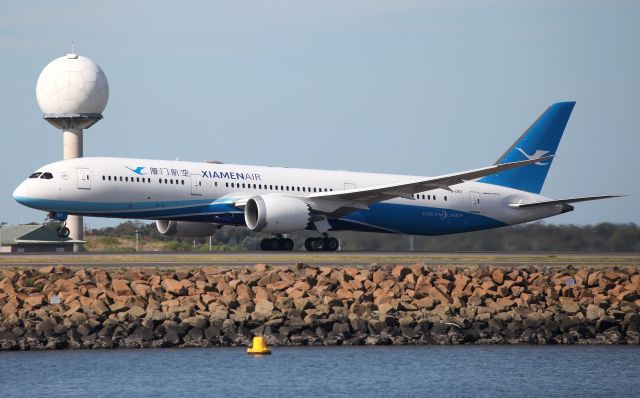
point(72, 92)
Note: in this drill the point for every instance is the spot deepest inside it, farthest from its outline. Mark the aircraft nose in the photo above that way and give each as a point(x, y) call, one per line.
point(21, 193)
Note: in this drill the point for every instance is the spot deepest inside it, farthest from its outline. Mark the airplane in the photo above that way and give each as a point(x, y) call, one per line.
point(194, 199)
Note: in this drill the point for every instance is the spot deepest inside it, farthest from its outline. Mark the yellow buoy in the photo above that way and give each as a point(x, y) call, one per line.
point(259, 347)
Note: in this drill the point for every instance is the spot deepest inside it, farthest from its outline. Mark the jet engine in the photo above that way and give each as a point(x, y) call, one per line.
point(276, 214)
point(185, 228)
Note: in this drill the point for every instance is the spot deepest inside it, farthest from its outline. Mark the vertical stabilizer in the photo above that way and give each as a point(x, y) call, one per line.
point(541, 139)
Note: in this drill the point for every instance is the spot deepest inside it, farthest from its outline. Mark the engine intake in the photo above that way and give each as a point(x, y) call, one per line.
point(276, 214)
point(185, 228)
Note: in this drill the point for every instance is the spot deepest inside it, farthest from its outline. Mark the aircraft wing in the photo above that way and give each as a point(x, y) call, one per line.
point(561, 201)
point(345, 201)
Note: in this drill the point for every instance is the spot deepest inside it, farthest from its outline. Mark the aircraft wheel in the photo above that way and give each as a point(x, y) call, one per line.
point(319, 244)
point(332, 244)
point(263, 245)
point(286, 244)
point(308, 244)
point(274, 244)
point(64, 232)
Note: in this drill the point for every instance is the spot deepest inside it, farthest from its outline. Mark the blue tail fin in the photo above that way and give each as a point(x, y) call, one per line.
point(541, 139)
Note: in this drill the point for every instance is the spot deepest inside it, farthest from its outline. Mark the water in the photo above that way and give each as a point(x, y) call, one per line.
point(472, 371)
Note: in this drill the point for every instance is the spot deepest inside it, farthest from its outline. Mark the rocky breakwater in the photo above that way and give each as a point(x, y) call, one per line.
point(57, 307)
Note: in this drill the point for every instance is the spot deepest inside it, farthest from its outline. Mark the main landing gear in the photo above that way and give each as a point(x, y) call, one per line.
point(272, 244)
point(324, 243)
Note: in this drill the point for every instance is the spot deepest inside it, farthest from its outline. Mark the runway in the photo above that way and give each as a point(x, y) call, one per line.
point(180, 259)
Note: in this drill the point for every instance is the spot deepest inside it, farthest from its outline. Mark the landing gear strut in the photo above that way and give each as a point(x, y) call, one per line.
point(272, 244)
point(324, 243)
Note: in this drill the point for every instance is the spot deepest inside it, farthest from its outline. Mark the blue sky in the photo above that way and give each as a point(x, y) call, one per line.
point(408, 87)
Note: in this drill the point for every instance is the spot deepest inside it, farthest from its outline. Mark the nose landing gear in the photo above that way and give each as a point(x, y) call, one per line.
point(58, 223)
point(324, 243)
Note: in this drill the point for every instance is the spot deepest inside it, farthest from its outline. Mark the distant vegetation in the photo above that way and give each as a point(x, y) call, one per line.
point(528, 237)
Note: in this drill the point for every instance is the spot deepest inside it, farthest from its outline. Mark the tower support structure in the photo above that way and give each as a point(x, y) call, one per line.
point(72, 126)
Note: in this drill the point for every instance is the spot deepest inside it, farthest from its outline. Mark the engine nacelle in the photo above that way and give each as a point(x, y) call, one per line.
point(185, 228)
point(276, 214)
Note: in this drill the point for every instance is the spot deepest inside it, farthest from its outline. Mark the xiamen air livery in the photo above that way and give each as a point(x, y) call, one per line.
point(194, 199)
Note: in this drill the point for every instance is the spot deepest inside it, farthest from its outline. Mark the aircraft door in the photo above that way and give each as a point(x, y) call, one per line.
point(474, 202)
point(84, 181)
point(196, 185)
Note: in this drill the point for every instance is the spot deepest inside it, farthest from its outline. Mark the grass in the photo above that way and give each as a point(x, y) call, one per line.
point(342, 259)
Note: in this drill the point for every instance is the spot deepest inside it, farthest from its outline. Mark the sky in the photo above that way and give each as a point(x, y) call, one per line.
point(407, 87)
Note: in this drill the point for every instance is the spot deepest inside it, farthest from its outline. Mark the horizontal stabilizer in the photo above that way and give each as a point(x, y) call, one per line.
point(562, 201)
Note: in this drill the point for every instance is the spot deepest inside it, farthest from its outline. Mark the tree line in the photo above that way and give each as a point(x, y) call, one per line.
point(531, 237)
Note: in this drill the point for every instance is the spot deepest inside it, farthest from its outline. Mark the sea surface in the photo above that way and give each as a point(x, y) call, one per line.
point(425, 371)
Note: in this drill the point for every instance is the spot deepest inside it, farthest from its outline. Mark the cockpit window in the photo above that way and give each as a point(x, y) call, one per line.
point(35, 175)
point(46, 176)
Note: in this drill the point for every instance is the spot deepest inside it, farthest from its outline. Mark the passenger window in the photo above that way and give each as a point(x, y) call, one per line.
point(226, 184)
point(109, 178)
point(165, 181)
point(160, 180)
point(445, 198)
point(434, 197)
point(215, 183)
point(126, 179)
point(104, 178)
point(35, 175)
point(46, 176)
point(171, 181)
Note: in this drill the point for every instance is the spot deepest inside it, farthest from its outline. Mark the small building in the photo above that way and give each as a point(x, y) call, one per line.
point(33, 238)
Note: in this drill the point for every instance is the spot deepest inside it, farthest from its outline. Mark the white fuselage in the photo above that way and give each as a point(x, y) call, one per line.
point(206, 192)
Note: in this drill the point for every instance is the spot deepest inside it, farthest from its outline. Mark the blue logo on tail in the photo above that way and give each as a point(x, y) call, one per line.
point(537, 155)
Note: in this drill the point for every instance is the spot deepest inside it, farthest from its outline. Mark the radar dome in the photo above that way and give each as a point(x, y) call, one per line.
point(72, 85)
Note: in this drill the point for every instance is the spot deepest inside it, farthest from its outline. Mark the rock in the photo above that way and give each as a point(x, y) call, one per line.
point(264, 307)
point(6, 286)
point(498, 276)
point(137, 311)
point(295, 293)
point(400, 271)
point(197, 322)
point(34, 301)
point(569, 305)
point(440, 296)
point(173, 286)
point(385, 308)
point(99, 307)
point(121, 287)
